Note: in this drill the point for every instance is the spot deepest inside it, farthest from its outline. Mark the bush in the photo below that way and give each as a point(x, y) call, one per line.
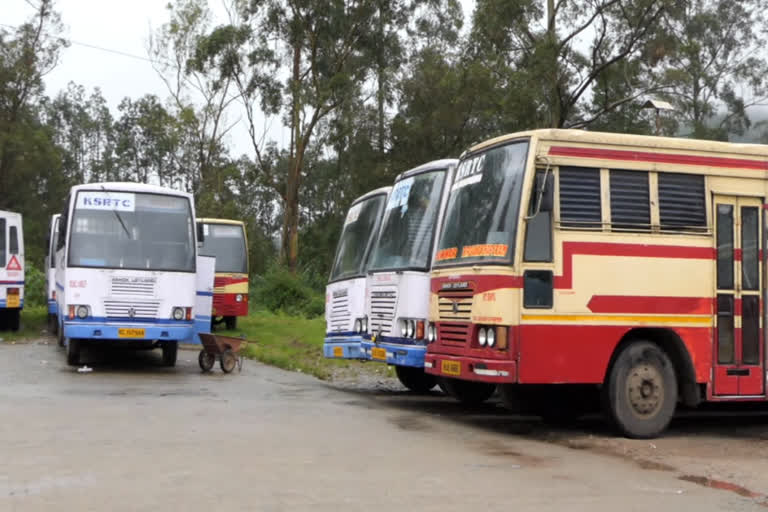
point(279, 290)
point(35, 293)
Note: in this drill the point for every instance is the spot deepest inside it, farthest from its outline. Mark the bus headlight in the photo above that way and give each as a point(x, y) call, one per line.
point(490, 336)
point(482, 336)
point(178, 313)
point(358, 325)
point(411, 324)
point(364, 324)
point(82, 312)
point(404, 328)
point(238, 298)
point(431, 333)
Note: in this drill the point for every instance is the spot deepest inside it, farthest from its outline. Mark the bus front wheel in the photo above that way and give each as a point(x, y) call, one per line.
point(14, 319)
point(415, 379)
point(641, 393)
point(230, 322)
point(73, 352)
point(468, 392)
point(170, 351)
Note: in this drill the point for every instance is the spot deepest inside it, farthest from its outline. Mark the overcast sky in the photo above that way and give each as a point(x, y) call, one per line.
point(122, 26)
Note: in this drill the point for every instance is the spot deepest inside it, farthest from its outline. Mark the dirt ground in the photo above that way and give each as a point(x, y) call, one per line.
point(132, 435)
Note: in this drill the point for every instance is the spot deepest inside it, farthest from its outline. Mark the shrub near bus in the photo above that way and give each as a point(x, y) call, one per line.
point(126, 268)
point(574, 266)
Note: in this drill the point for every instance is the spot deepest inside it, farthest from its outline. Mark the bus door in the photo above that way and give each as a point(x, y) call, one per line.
point(739, 344)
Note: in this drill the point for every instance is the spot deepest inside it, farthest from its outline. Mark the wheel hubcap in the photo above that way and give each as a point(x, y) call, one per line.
point(645, 389)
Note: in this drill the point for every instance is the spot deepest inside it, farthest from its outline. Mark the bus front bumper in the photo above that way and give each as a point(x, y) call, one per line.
point(471, 368)
point(343, 347)
point(391, 352)
point(127, 332)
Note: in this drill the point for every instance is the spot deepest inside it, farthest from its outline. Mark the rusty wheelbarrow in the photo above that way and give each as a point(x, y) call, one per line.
point(224, 348)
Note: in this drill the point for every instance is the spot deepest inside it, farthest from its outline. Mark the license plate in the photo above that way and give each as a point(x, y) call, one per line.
point(450, 367)
point(379, 353)
point(12, 301)
point(338, 352)
point(130, 333)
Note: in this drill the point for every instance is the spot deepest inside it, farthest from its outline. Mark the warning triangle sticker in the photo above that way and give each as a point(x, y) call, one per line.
point(13, 264)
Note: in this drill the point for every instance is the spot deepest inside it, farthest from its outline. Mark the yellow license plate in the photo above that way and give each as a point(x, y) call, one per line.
point(379, 353)
point(130, 333)
point(12, 301)
point(450, 367)
point(338, 352)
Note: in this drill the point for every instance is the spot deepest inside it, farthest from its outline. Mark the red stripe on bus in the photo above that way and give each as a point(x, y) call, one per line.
point(651, 305)
point(645, 156)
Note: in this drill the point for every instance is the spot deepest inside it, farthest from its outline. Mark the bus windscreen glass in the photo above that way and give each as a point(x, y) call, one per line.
point(356, 236)
point(225, 242)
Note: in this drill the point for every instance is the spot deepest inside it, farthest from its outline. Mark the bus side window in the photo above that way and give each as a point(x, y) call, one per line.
point(13, 240)
point(538, 229)
point(2, 243)
point(63, 226)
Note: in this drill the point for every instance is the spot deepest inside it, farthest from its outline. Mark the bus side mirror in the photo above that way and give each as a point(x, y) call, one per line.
point(545, 192)
point(200, 234)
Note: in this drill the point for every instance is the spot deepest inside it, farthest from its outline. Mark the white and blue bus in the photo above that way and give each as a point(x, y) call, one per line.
point(11, 270)
point(398, 276)
point(50, 272)
point(126, 268)
point(345, 293)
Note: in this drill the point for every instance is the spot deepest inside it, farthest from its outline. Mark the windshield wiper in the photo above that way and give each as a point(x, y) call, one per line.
point(119, 218)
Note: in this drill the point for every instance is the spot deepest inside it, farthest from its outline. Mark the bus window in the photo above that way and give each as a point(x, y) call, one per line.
point(13, 242)
point(2, 243)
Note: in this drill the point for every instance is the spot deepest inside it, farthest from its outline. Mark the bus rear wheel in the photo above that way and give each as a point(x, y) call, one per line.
point(14, 319)
point(468, 392)
point(641, 393)
point(230, 322)
point(415, 379)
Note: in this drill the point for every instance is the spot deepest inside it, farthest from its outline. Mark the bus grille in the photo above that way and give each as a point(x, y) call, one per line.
point(383, 304)
point(455, 305)
point(453, 333)
point(123, 286)
point(123, 309)
point(218, 284)
point(340, 315)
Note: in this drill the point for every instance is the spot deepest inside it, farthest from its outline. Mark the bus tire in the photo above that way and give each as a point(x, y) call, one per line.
point(73, 352)
point(231, 322)
point(468, 392)
point(14, 319)
point(641, 393)
point(170, 351)
point(59, 333)
point(415, 379)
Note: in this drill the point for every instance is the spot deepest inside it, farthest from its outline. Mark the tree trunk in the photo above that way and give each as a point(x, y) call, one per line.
point(290, 252)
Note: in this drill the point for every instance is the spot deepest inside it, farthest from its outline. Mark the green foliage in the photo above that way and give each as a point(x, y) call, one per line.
point(282, 291)
point(35, 293)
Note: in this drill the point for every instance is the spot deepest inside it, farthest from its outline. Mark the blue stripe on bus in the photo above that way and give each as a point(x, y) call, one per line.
point(205, 294)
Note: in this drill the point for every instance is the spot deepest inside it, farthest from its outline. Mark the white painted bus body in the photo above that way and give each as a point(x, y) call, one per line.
point(399, 295)
point(112, 300)
point(11, 269)
point(50, 270)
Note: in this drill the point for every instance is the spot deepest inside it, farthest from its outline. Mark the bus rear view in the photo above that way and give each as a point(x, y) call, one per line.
point(11, 270)
point(126, 268)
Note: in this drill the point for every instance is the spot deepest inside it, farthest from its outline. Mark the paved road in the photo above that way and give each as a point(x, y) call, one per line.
point(132, 435)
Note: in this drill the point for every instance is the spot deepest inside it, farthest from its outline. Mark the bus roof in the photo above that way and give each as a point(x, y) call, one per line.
point(628, 140)
point(8, 214)
point(376, 192)
point(121, 186)
point(429, 166)
point(209, 220)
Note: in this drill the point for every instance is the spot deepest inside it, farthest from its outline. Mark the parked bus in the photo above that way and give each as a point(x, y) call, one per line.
point(345, 294)
point(50, 272)
point(125, 271)
point(628, 268)
point(398, 276)
point(11, 270)
point(226, 241)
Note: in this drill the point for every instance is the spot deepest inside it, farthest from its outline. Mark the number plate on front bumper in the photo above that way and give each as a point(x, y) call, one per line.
point(338, 352)
point(12, 301)
point(130, 333)
point(379, 353)
point(450, 367)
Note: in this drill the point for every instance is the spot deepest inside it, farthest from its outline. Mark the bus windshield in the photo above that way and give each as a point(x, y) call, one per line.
point(357, 234)
point(481, 216)
point(409, 222)
point(132, 230)
point(226, 242)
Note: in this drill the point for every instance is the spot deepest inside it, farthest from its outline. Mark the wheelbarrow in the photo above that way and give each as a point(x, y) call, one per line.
point(224, 348)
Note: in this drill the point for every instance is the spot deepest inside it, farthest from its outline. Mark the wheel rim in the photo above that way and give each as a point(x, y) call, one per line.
point(645, 390)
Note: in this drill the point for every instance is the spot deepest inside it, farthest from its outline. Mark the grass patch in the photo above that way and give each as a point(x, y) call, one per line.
point(288, 342)
point(34, 320)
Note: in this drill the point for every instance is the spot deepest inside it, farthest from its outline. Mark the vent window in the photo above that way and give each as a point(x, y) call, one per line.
point(682, 204)
point(580, 197)
point(630, 200)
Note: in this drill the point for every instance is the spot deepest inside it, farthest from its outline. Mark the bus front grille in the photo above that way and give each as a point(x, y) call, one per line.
point(132, 287)
point(455, 305)
point(131, 309)
point(453, 333)
point(383, 305)
point(340, 315)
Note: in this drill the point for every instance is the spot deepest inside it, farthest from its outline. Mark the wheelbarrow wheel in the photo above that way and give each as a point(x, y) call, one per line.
point(228, 361)
point(206, 361)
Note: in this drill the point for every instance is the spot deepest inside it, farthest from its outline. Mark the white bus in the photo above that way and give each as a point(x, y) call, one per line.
point(50, 272)
point(126, 264)
point(398, 276)
point(345, 294)
point(11, 269)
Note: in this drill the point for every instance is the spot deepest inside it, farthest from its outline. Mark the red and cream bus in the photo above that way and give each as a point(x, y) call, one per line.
point(574, 266)
point(226, 241)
